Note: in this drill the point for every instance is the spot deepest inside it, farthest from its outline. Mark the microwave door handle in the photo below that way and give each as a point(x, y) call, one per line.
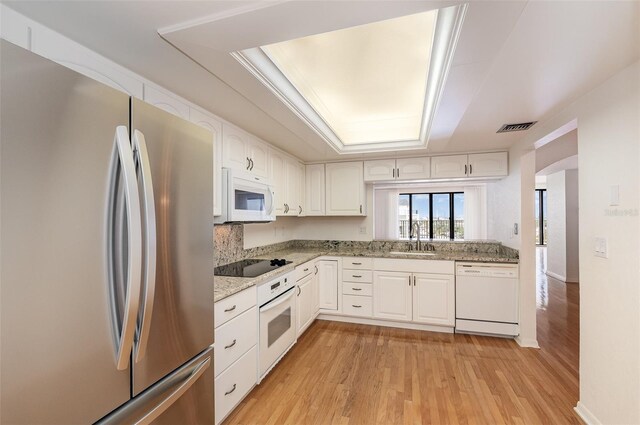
point(149, 270)
point(281, 301)
point(271, 196)
point(124, 154)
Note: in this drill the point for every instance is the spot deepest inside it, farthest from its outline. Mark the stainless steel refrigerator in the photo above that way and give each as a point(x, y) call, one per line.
point(106, 228)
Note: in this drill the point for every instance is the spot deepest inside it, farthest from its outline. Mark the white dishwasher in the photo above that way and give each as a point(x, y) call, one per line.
point(487, 298)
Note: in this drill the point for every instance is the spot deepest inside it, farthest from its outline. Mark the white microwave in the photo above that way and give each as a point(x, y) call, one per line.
point(245, 198)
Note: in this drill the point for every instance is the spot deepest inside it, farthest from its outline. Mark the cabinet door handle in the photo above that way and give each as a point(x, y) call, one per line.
point(360, 208)
point(465, 169)
point(394, 173)
point(356, 306)
point(300, 206)
point(414, 281)
point(248, 163)
point(316, 267)
point(398, 172)
point(230, 345)
point(470, 169)
point(357, 289)
point(299, 291)
point(409, 280)
point(356, 275)
point(230, 309)
point(306, 270)
point(231, 390)
point(251, 160)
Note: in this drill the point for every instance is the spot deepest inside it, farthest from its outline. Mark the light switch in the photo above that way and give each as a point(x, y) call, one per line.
point(615, 195)
point(601, 248)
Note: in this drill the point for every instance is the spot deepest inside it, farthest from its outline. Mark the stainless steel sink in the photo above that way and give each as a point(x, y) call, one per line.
point(416, 253)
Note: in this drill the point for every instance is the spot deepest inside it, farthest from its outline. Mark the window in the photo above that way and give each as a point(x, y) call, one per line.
point(439, 215)
point(541, 216)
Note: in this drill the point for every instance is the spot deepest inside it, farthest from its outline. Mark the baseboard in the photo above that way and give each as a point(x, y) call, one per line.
point(390, 324)
point(527, 342)
point(556, 276)
point(586, 415)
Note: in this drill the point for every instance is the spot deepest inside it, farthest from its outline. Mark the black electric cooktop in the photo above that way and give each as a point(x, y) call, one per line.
point(249, 268)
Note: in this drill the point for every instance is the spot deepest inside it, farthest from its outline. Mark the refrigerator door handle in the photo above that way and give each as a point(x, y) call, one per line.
point(175, 395)
point(134, 242)
point(149, 219)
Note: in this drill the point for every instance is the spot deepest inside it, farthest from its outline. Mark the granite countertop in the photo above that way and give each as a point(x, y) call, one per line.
point(226, 286)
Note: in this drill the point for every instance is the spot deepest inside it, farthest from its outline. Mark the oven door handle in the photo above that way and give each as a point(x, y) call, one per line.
point(278, 302)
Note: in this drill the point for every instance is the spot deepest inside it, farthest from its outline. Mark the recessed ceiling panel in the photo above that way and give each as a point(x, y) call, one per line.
point(368, 83)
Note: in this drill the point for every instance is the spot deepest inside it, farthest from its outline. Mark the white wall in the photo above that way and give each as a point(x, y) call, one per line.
point(609, 146)
point(557, 244)
point(572, 226)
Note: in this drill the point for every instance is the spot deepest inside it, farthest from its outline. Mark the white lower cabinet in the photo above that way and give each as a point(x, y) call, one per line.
point(328, 281)
point(305, 303)
point(236, 351)
point(434, 299)
point(357, 305)
point(392, 295)
point(234, 383)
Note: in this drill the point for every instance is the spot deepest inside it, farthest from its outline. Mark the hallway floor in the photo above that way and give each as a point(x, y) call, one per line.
point(356, 374)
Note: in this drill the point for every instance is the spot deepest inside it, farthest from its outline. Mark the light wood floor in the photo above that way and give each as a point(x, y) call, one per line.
point(356, 374)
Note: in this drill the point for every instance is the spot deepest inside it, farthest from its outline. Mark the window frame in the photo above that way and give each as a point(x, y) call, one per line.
point(539, 195)
point(452, 229)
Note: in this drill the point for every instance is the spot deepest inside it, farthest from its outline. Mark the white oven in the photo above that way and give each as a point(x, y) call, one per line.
point(277, 321)
point(245, 198)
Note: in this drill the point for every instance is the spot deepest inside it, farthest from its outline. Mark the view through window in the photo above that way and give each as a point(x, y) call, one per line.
point(439, 215)
point(541, 216)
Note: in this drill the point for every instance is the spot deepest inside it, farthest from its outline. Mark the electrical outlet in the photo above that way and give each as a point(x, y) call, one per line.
point(363, 230)
point(600, 249)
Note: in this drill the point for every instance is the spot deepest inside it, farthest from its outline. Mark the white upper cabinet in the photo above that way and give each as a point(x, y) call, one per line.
point(215, 127)
point(258, 153)
point(277, 175)
point(413, 168)
point(473, 165)
point(314, 190)
point(292, 185)
point(288, 181)
point(165, 101)
point(345, 190)
point(448, 166)
point(488, 164)
point(302, 190)
point(379, 170)
point(242, 151)
point(397, 169)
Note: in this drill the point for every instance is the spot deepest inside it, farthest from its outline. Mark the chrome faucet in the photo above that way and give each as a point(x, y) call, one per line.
point(416, 225)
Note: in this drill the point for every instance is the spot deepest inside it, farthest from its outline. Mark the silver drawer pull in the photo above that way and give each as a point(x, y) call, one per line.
point(230, 345)
point(231, 390)
point(357, 289)
point(357, 264)
point(356, 306)
point(230, 309)
point(356, 275)
point(306, 270)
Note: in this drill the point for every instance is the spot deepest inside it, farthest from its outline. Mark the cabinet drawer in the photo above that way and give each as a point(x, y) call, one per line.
point(354, 305)
point(304, 270)
point(357, 289)
point(234, 383)
point(234, 338)
point(230, 307)
point(360, 263)
point(365, 276)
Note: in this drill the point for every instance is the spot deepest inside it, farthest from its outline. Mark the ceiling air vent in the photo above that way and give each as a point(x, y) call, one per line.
point(516, 127)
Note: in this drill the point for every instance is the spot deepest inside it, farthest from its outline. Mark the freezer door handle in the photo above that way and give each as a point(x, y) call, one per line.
point(149, 219)
point(124, 154)
point(176, 394)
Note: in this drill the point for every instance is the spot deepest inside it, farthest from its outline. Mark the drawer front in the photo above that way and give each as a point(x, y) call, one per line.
point(364, 276)
point(414, 266)
point(235, 338)
point(234, 383)
point(230, 307)
point(304, 270)
point(354, 305)
point(360, 263)
point(360, 289)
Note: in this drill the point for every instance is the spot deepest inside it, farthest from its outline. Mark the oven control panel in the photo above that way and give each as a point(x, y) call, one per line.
point(273, 288)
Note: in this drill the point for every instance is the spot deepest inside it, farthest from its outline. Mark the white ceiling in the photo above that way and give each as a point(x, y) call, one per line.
point(515, 61)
